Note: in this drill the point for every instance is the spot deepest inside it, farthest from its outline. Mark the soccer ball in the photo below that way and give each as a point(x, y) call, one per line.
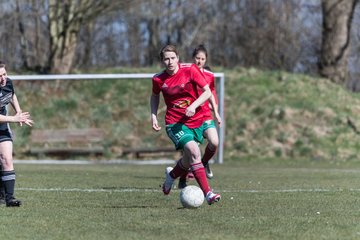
point(191, 197)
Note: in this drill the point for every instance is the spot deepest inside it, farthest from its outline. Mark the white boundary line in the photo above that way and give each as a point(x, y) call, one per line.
point(87, 190)
point(124, 190)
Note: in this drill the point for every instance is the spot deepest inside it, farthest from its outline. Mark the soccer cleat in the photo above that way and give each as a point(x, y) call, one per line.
point(209, 173)
point(182, 183)
point(212, 197)
point(169, 181)
point(13, 202)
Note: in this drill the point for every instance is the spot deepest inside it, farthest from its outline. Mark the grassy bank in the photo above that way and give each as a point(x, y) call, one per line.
point(268, 114)
point(283, 115)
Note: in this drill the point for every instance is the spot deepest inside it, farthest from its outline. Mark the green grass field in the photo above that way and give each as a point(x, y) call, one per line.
point(260, 200)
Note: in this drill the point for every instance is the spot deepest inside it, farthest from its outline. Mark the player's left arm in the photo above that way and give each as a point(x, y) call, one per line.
point(214, 106)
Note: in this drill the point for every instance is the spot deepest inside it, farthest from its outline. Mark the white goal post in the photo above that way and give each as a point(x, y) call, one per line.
point(220, 85)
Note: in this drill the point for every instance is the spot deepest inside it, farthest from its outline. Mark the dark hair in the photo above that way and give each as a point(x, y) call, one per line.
point(2, 64)
point(168, 48)
point(207, 68)
point(200, 48)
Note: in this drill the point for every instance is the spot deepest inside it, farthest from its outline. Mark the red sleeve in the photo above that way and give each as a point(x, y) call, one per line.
point(155, 86)
point(198, 76)
point(213, 89)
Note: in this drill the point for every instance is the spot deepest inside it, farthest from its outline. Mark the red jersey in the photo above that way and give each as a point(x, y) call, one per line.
point(180, 91)
point(205, 107)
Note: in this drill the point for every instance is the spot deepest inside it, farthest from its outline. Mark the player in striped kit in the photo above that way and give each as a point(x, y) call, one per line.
point(7, 96)
point(179, 85)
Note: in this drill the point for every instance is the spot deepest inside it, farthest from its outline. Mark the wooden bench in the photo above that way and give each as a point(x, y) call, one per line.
point(143, 152)
point(67, 141)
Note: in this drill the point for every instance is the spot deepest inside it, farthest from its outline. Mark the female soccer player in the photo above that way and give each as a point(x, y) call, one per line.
point(179, 85)
point(210, 133)
point(7, 95)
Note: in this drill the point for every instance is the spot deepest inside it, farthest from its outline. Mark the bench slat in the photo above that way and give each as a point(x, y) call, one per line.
point(67, 141)
point(67, 135)
point(58, 150)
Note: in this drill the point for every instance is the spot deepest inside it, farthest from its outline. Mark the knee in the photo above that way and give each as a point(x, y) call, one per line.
point(212, 139)
point(213, 144)
point(6, 162)
point(194, 156)
point(192, 153)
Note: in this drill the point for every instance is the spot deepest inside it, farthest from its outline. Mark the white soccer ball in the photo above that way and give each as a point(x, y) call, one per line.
point(191, 197)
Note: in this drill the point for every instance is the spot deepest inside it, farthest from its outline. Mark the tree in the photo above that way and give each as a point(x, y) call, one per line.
point(337, 19)
point(59, 36)
point(65, 21)
point(49, 30)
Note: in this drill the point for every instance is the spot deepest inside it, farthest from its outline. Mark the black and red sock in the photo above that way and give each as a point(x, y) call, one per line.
point(178, 170)
point(208, 154)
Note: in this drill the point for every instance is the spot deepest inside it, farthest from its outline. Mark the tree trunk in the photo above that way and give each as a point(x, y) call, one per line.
point(337, 18)
point(153, 41)
point(64, 28)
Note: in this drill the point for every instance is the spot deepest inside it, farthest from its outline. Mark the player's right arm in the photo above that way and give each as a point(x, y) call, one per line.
point(154, 105)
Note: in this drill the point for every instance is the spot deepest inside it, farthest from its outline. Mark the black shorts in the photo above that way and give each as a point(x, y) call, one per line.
point(5, 134)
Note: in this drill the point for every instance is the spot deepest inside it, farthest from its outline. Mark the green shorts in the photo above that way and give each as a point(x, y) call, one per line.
point(208, 124)
point(181, 134)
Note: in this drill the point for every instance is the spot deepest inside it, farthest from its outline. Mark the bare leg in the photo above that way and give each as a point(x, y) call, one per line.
point(8, 173)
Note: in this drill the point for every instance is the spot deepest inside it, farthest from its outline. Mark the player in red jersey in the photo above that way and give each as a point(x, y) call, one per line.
point(210, 133)
point(179, 85)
